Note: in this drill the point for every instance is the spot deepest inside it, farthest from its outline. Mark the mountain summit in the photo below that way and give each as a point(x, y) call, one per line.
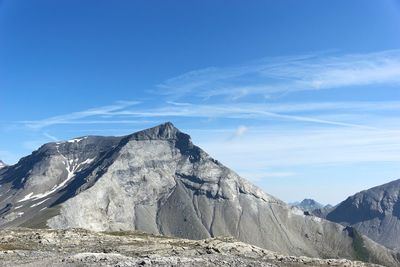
point(163, 131)
point(158, 181)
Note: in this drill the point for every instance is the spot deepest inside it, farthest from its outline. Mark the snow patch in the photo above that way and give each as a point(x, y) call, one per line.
point(71, 170)
point(87, 161)
point(27, 197)
point(17, 207)
point(76, 140)
point(37, 204)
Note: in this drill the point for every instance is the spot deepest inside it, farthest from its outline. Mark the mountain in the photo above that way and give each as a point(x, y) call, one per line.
point(307, 204)
point(374, 212)
point(312, 207)
point(2, 164)
point(159, 182)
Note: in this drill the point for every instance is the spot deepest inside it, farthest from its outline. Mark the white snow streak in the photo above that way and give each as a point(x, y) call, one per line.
point(71, 169)
point(76, 140)
point(37, 204)
point(27, 197)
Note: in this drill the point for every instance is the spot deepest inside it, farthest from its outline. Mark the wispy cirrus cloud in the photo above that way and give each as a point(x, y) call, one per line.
point(77, 117)
point(324, 113)
point(262, 77)
point(289, 74)
point(282, 147)
point(282, 112)
point(240, 131)
point(50, 137)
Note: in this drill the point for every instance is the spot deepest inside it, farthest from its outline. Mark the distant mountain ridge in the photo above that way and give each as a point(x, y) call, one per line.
point(158, 181)
point(312, 207)
point(307, 204)
point(374, 212)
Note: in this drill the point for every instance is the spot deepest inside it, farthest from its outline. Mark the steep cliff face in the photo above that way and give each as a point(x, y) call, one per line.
point(157, 181)
point(374, 212)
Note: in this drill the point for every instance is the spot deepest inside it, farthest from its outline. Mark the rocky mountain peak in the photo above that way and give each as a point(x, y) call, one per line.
point(309, 201)
point(165, 131)
point(307, 204)
point(168, 132)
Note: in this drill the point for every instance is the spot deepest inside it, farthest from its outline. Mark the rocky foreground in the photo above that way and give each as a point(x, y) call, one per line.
point(77, 247)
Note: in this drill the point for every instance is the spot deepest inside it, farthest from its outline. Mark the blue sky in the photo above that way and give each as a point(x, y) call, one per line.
point(300, 97)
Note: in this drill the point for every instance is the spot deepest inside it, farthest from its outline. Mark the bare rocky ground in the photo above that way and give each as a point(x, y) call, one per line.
point(78, 247)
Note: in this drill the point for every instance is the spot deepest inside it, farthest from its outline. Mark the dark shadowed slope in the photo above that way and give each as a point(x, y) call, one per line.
point(374, 212)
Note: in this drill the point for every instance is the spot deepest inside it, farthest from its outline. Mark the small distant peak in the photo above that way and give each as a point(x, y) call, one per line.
point(309, 201)
point(307, 204)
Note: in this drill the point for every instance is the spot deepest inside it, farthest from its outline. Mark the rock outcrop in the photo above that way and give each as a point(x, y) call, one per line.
point(77, 247)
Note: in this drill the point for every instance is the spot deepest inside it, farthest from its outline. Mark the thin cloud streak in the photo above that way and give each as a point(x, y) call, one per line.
point(125, 114)
point(51, 137)
point(238, 111)
point(283, 75)
point(287, 148)
point(76, 116)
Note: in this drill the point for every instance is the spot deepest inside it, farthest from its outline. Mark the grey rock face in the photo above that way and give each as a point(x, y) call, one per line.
point(157, 181)
point(374, 212)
